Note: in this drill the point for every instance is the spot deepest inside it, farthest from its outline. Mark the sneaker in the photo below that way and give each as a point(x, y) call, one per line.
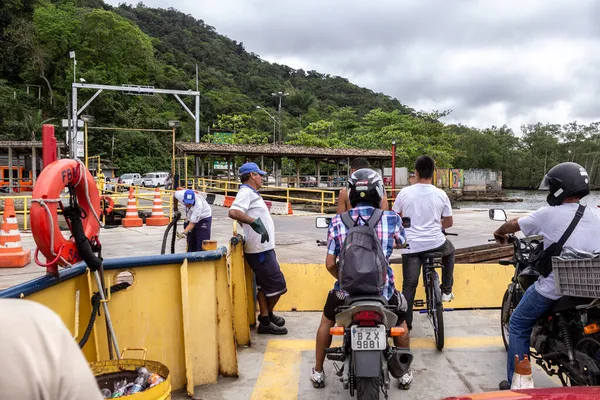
point(277, 320)
point(318, 379)
point(271, 329)
point(504, 385)
point(447, 297)
point(405, 380)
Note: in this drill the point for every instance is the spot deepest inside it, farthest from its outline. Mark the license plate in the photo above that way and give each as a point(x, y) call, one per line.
point(364, 338)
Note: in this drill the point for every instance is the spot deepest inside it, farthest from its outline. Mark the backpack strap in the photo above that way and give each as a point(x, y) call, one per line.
point(347, 220)
point(571, 227)
point(375, 217)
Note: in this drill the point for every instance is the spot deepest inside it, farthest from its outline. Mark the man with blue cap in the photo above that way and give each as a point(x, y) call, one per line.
point(250, 210)
point(199, 218)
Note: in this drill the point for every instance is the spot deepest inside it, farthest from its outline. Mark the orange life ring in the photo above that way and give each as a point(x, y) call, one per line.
point(111, 204)
point(45, 201)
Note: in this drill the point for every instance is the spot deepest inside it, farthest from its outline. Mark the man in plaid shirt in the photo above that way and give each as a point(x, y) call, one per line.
point(365, 193)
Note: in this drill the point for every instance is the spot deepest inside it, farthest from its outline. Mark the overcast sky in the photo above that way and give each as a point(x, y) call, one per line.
point(492, 62)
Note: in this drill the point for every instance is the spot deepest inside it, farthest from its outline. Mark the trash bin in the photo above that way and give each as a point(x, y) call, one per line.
point(111, 371)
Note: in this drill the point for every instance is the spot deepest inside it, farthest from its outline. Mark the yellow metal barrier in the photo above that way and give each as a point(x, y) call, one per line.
point(230, 188)
point(239, 292)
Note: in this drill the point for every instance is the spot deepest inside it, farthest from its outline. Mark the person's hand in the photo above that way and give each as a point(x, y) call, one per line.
point(258, 227)
point(500, 237)
point(181, 235)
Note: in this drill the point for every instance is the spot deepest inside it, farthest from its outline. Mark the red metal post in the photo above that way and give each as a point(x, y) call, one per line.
point(48, 145)
point(393, 168)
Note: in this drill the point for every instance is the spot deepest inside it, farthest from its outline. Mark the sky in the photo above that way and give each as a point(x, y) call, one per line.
point(492, 62)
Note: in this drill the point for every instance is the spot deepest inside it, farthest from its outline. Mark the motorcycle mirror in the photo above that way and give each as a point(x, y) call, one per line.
point(497, 214)
point(322, 222)
point(406, 222)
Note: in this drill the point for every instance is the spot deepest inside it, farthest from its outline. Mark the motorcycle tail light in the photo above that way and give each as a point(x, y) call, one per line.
point(591, 329)
point(367, 318)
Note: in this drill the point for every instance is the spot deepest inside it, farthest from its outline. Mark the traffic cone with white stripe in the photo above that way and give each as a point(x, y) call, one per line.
point(12, 254)
point(132, 219)
point(158, 217)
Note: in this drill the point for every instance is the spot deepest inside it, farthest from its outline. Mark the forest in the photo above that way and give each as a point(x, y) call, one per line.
point(163, 47)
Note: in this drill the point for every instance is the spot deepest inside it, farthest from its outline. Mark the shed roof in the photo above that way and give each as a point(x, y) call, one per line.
point(282, 150)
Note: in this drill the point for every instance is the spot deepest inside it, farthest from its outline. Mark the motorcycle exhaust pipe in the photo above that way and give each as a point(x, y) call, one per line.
point(399, 361)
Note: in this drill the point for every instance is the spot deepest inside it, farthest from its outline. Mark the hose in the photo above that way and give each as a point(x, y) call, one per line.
point(95, 310)
point(84, 247)
point(172, 225)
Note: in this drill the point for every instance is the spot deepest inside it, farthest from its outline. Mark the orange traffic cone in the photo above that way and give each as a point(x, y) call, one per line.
point(132, 219)
point(12, 254)
point(158, 217)
point(522, 378)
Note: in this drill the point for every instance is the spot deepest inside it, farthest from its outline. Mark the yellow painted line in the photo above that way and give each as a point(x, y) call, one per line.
point(280, 372)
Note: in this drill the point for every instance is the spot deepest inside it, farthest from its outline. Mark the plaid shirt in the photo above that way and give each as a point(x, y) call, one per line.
point(389, 230)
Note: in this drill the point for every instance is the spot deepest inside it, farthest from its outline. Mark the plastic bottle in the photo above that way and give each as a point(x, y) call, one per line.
point(106, 393)
point(154, 379)
point(138, 385)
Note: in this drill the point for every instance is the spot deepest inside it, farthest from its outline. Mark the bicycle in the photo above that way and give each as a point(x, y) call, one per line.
point(433, 295)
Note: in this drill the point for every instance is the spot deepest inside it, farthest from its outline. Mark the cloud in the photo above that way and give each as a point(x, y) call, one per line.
point(490, 61)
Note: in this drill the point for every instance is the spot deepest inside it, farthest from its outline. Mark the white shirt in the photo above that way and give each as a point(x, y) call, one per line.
point(551, 223)
point(41, 360)
point(425, 205)
point(252, 204)
point(200, 210)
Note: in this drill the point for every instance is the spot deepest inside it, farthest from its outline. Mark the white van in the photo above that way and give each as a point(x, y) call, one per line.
point(152, 179)
point(127, 179)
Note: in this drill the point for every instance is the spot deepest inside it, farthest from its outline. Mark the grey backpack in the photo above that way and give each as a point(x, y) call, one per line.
point(362, 262)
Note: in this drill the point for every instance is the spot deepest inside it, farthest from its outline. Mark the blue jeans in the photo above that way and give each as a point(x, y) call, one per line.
point(532, 306)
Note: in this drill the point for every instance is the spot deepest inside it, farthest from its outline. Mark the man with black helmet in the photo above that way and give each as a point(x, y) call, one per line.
point(568, 183)
point(365, 188)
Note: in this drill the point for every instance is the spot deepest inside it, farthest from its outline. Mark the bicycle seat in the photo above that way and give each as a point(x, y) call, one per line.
point(427, 256)
point(353, 299)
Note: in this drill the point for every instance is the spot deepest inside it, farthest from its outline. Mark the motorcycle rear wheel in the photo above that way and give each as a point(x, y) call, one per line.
point(505, 313)
point(367, 388)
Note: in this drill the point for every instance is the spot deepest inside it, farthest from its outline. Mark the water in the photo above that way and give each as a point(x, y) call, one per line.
point(532, 200)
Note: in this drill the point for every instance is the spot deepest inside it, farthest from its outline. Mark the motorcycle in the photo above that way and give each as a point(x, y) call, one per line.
point(566, 340)
point(366, 323)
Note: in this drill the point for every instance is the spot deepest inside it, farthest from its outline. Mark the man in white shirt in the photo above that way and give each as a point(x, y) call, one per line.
point(568, 183)
point(250, 210)
point(199, 218)
point(42, 361)
point(431, 213)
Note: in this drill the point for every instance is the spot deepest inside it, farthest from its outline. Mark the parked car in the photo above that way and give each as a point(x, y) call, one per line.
point(152, 179)
point(127, 179)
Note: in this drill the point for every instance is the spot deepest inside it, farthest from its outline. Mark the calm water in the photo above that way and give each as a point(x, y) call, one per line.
point(532, 200)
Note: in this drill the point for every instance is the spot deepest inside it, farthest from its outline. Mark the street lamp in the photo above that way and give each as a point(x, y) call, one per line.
point(280, 95)
point(87, 119)
point(272, 117)
point(174, 125)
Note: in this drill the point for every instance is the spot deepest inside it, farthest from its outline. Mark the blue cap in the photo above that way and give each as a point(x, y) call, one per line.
point(189, 197)
point(251, 167)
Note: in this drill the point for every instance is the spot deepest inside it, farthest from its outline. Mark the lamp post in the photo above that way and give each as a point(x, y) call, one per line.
point(173, 125)
point(280, 95)
point(393, 166)
point(86, 120)
point(272, 117)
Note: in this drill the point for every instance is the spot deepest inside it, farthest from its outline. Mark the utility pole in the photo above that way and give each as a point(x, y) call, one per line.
point(280, 95)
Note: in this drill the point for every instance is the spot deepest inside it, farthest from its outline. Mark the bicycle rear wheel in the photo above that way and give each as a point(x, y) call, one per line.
point(435, 308)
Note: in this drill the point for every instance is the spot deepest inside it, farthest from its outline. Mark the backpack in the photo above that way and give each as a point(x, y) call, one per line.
point(362, 262)
point(540, 260)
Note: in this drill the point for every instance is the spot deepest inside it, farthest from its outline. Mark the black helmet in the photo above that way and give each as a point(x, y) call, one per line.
point(565, 180)
point(365, 185)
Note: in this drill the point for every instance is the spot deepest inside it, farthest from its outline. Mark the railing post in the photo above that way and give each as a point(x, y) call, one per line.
point(322, 202)
point(25, 213)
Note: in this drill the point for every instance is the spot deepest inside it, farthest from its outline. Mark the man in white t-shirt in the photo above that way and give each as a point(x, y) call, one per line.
point(41, 359)
point(250, 210)
point(430, 213)
point(199, 218)
point(568, 183)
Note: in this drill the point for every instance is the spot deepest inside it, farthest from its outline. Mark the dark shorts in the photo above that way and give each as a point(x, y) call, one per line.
point(200, 233)
point(269, 278)
point(336, 298)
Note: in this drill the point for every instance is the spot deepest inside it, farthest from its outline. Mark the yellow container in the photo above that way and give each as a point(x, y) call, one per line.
point(127, 368)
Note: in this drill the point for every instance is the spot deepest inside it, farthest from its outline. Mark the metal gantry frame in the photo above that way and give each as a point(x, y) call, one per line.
point(131, 90)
